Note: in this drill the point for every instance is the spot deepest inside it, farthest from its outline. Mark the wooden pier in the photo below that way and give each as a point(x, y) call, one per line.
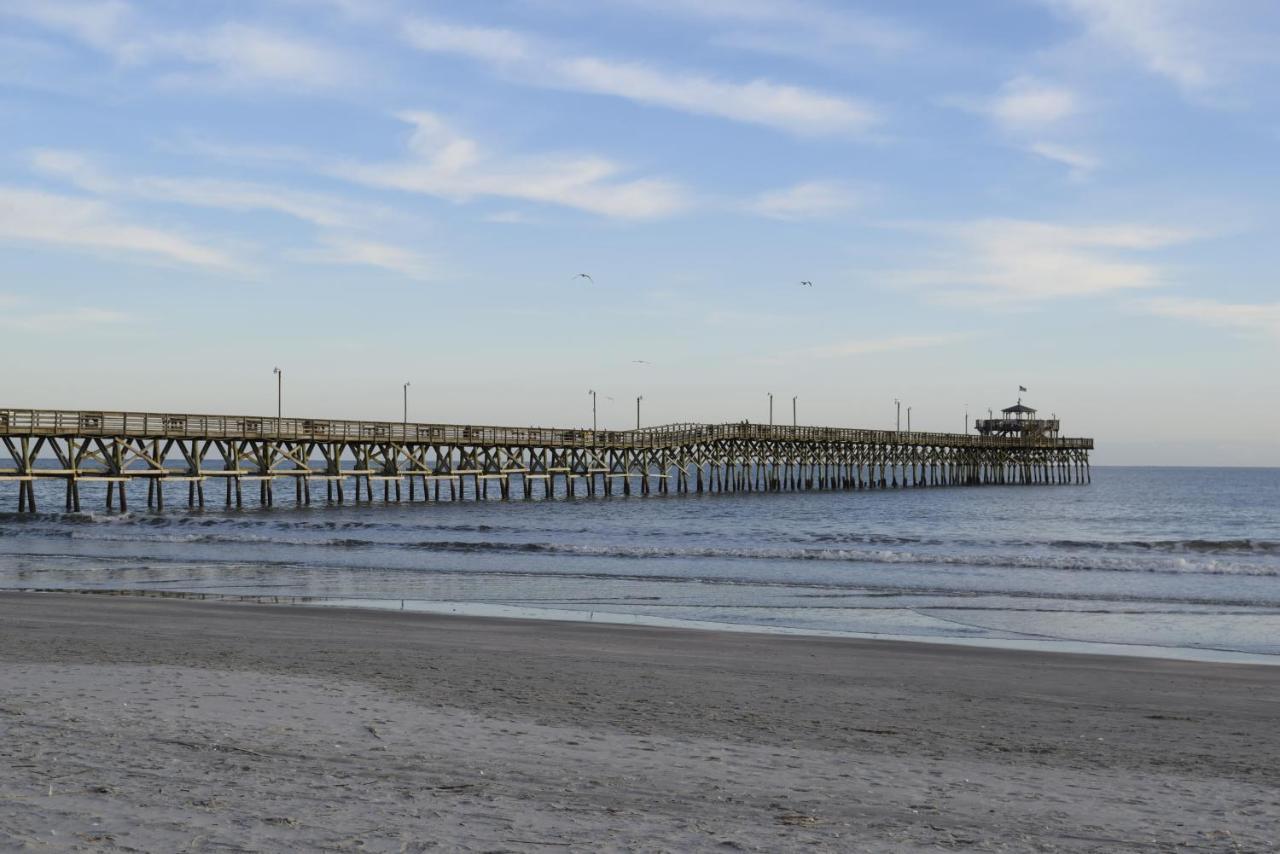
point(454, 462)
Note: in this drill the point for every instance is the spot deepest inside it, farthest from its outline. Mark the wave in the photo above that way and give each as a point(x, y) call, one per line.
point(947, 556)
point(78, 526)
point(1196, 546)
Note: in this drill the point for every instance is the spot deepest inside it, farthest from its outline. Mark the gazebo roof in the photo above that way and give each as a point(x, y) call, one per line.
point(1018, 409)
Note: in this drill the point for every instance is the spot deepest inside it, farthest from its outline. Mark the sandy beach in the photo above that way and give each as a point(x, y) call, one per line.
point(164, 725)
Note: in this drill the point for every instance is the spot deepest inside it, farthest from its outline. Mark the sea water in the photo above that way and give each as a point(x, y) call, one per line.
point(1169, 560)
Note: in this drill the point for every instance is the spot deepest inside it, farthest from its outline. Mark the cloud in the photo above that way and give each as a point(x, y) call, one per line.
point(867, 346)
point(1245, 317)
point(70, 320)
point(83, 172)
point(793, 109)
point(1025, 103)
point(788, 27)
point(808, 200)
point(446, 164)
point(1003, 260)
point(1080, 163)
point(484, 43)
point(31, 216)
point(101, 24)
point(237, 55)
point(227, 55)
point(369, 253)
point(1161, 35)
point(1026, 107)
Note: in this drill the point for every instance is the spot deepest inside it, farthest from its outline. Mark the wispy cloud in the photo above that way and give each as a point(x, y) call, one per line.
point(866, 346)
point(1002, 260)
point(1246, 317)
point(446, 164)
point(35, 217)
point(82, 171)
point(808, 200)
point(227, 55)
point(794, 109)
point(369, 253)
point(1081, 164)
point(795, 28)
point(1027, 107)
point(1211, 51)
point(53, 322)
point(1160, 34)
point(853, 347)
point(1027, 103)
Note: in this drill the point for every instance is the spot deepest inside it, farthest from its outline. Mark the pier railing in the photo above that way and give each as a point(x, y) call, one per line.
point(152, 425)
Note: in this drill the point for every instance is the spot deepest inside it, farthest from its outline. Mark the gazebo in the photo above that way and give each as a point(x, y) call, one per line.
point(1018, 420)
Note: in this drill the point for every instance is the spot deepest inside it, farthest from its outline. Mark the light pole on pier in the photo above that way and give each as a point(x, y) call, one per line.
point(406, 405)
point(908, 419)
point(794, 423)
point(593, 409)
point(279, 392)
point(638, 399)
point(897, 424)
point(966, 419)
point(770, 409)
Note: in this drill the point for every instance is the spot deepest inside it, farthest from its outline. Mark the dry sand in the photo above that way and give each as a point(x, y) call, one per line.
point(158, 725)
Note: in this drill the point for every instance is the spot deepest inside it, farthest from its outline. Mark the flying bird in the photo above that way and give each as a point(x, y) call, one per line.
point(807, 284)
point(640, 362)
point(585, 276)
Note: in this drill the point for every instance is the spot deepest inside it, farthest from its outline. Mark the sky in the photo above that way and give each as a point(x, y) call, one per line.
point(1076, 196)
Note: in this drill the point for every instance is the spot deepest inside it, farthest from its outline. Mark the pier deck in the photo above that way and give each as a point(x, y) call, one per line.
point(119, 448)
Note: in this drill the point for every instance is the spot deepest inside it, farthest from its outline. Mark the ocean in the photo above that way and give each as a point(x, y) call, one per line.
point(1179, 562)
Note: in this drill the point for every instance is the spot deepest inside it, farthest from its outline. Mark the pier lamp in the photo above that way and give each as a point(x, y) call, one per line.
point(794, 422)
point(897, 424)
point(908, 419)
point(279, 392)
point(638, 399)
point(406, 405)
point(593, 409)
point(770, 409)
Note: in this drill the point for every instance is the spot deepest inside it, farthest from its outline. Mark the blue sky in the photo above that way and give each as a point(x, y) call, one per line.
point(1079, 196)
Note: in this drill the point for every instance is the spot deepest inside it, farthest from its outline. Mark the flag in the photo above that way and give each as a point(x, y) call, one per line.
point(1022, 388)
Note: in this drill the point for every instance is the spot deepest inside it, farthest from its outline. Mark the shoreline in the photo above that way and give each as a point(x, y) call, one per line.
point(157, 723)
point(1208, 655)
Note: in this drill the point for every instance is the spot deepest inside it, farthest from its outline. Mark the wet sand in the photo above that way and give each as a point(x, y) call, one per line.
point(164, 725)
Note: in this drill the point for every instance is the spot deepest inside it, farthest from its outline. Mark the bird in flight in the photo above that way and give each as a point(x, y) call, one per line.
point(807, 284)
point(585, 276)
point(640, 362)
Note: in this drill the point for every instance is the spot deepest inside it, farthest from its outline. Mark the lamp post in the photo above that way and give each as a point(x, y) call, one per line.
point(966, 419)
point(406, 405)
point(279, 392)
point(770, 409)
point(897, 424)
point(638, 399)
point(593, 409)
point(908, 419)
point(794, 423)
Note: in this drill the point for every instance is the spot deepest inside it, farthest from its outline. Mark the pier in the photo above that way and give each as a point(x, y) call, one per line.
point(449, 462)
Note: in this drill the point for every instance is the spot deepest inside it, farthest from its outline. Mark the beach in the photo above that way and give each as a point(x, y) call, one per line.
point(132, 723)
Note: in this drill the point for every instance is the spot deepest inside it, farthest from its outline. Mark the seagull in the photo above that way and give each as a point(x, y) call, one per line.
point(585, 276)
point(807, 284)
point(640, 362)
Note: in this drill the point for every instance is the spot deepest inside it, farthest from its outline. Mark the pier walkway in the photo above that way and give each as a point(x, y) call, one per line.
point(471, 462)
